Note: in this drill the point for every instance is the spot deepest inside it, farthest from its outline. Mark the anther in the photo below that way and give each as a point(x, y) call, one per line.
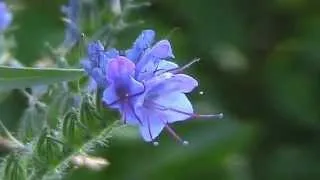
point(201, 92)
point(155, 143)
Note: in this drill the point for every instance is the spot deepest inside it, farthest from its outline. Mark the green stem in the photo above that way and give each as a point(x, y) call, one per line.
point(8, 134)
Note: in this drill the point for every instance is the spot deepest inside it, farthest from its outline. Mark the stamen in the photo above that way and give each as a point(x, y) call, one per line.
point(201, 92)
point(175, 135)
point(171, 32)
point(179, 70)
point(162, 108)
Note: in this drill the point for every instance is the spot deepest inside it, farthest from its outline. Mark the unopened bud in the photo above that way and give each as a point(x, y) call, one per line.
point(89, 116)
point(48, 149)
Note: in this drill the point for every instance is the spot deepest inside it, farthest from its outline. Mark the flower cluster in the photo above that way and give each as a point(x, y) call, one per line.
point(143, 84)
point(5, 16)
point(71, 11)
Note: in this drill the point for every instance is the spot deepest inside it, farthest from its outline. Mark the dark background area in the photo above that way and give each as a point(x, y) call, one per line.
point(260, 66)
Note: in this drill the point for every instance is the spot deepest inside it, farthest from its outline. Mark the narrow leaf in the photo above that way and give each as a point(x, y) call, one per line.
point(11, 77)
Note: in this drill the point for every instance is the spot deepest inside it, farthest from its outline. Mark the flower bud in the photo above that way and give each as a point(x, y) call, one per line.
point(48, 148)
point(72, 130)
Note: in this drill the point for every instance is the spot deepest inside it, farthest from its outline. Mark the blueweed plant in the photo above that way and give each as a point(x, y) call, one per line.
point(65, 121)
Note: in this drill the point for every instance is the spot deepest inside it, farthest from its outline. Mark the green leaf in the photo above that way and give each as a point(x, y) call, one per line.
point(11, 78)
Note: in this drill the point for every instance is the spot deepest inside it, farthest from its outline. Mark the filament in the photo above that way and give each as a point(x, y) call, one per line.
point(175, 135)
point(163, 108)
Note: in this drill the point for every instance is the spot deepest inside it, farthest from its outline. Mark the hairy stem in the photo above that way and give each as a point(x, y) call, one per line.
point(60, 169)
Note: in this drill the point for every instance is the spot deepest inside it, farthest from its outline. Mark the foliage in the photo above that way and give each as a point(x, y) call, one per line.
point(259, 65)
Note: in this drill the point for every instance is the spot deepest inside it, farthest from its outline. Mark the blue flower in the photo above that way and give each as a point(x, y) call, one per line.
point(72, 11)
point(143, 84)
point(5, 16)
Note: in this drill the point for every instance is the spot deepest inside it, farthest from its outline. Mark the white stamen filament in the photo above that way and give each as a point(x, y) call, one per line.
point(162, 108)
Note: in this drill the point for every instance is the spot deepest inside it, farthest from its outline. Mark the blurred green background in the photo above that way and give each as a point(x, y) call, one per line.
point(260, 66)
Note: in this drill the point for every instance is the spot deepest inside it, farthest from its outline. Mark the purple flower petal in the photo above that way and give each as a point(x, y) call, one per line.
point(165, 66)
point(173, 107)
point(98, 76)
point(129, 115)
point(168, 83)
point(144, 41)
point(149, 62)
point(162, 50)
point(119, 92)
point(152, 125)
point(123, 89)
point(95, 49)
point(5, 16)
point(87, 65)
point(92, 85)
point(112, 53)
point(119, 68)
point(122, 96)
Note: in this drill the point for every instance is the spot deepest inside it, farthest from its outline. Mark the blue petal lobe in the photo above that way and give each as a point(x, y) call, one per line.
point(87, 65)
point(167, 83)
point(121, 92)
point(144, 41)
point(152, 125)
point(149, 62)
point(94, 51)
point(173, 107)
point(98, 76)
point(162, 50)
point(165, 66)
point(119, 68)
